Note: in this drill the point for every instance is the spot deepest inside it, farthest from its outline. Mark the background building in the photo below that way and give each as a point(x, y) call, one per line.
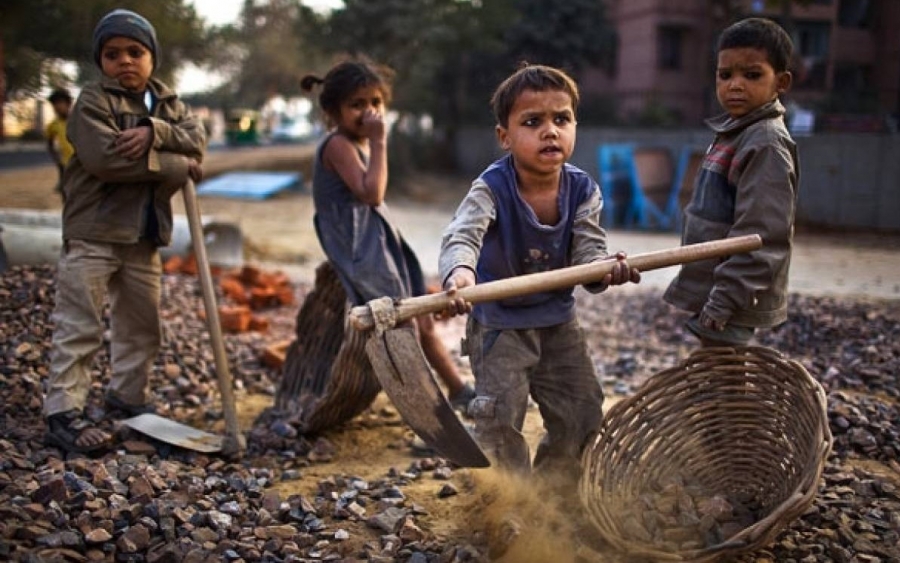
point(847, 67)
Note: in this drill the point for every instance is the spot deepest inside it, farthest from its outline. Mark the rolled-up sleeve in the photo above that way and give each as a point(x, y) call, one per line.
point(462, 240)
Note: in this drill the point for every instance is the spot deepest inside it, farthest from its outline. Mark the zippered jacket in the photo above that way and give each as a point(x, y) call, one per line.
point(747, 184)
point(110, 198)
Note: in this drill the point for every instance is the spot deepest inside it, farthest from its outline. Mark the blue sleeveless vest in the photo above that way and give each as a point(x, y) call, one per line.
point(516, 243)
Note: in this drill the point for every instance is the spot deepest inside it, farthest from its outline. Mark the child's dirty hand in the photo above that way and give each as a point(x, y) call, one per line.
point(134, 143)
point(708, 322)
point(195, 171)
point(621, 273)
point(459, 279)
point(373, 125)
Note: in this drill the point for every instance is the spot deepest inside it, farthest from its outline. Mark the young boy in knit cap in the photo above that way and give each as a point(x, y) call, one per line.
point(136, 144)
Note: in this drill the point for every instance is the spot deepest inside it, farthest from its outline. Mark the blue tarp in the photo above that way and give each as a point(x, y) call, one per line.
point(250, 185)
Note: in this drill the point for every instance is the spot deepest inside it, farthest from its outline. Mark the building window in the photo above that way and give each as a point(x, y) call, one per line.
point(669, 51)
point(852, 92)
point(855, 13)
point(813, 38)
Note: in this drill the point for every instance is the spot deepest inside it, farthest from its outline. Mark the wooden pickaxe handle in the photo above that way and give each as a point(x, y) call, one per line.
point(362, 319)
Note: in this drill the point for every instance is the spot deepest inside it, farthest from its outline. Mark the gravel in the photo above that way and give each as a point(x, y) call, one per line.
point(147, 502)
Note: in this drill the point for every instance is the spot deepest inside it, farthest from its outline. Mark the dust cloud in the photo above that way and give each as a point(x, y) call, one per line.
point(527, 519)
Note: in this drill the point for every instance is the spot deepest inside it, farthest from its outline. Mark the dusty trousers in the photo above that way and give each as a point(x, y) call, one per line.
point(89, 271)
point(553, 366)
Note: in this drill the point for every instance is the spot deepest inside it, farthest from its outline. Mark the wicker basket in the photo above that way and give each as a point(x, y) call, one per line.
point(741, 422)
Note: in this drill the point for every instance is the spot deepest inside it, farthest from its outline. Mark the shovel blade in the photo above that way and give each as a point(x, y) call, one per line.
point(175, 433)
point(404, 375)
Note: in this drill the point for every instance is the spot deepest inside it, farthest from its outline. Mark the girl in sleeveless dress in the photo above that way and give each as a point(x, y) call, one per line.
point(349, 183)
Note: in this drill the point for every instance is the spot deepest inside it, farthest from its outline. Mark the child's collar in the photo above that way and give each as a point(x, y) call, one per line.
point(724, 123)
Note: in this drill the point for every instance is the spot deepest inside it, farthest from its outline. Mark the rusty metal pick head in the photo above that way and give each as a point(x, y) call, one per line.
point(406, 378)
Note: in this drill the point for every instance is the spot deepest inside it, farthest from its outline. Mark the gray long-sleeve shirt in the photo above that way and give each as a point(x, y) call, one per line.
point(496, 234)
point(462, 239)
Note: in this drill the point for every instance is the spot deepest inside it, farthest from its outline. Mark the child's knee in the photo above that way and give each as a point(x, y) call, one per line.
point(495, 431)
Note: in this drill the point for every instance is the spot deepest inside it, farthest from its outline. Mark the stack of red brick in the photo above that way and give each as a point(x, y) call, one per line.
point(246, 290)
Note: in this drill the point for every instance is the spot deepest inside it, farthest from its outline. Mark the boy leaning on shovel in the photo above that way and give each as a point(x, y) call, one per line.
point(530, 211)
point(136, 144)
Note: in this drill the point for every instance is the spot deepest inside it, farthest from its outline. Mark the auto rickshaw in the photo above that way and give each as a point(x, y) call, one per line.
point(241, 127)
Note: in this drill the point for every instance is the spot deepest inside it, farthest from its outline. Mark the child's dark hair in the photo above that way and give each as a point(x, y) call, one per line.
point(60, 95)
point(346, 78)
point(760, 33)
point(538, 78)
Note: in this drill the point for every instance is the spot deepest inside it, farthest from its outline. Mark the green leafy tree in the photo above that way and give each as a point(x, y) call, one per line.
point(449, 54)
point(403, 34)
point(445, 54)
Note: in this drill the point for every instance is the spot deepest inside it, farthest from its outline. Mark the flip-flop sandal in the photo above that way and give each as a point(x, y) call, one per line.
point(64, 430)
point(114, 403)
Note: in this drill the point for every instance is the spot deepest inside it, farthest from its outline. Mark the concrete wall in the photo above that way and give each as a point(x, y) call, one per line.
point(846, 180)
point(850, 181)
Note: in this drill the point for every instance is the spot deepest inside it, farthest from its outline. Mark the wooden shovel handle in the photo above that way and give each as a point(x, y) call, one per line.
point(361, 317)
point(234, 444)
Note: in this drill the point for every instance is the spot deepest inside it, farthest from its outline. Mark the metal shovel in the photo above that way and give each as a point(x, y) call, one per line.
point(403, 372)
point(165, 430)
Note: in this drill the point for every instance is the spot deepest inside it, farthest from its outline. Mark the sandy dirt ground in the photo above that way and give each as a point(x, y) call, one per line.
point(279, 232)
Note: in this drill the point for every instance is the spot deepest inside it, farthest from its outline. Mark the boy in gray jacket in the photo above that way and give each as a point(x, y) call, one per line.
point(136, 144)
point(747, 184)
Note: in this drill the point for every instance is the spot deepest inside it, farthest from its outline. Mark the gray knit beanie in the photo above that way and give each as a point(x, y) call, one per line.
point(125, 23)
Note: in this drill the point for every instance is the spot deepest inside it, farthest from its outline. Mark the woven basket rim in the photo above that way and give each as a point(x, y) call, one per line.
point(654, 389)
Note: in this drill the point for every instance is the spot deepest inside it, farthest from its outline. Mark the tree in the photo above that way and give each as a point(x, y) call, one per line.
point(572, 35)
point(402, 34)
point(438, 49)
point(272, 45)
point(33, 31)
point(450, 54)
